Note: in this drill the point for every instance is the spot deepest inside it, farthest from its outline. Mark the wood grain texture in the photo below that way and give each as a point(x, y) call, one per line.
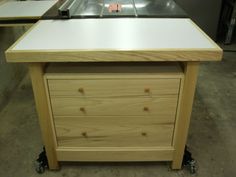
point(114, 56)
point(113, 113)
point(112, 132)
point(115, 154)
point(184, 112)
point(161, 106)
point(114, 70)
point(36, 72)
point(113, 87)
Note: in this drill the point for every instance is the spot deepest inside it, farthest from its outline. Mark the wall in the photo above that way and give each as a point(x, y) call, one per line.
point(10, 74)
point(203, 12)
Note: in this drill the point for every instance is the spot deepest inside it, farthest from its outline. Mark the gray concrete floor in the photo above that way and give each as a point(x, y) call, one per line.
point(211, 136)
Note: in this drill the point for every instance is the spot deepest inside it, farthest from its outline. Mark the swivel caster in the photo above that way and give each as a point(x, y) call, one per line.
point(39, 168)
point(192, 167)
point(189, 162)
point(42, 162)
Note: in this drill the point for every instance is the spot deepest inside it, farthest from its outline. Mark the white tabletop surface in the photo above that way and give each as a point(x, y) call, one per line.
point(114, 34)
point(18, 9)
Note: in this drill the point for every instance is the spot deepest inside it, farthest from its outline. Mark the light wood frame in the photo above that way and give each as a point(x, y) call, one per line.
point(184, 112)
point(36, 71)
point(173, 154)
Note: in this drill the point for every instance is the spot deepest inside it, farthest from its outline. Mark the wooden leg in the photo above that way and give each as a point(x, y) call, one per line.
point(184, 112)
point(36, 71)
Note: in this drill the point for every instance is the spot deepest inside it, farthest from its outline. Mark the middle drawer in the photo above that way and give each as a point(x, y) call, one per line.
point(164, 106)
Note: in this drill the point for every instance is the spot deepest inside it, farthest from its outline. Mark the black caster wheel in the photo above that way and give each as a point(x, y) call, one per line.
point(189, 162)
point(39, 168)
point(42, 162)
point(192, 170)
point(192, 167)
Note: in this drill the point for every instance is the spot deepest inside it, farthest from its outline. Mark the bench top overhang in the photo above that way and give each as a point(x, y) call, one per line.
point(114, 39)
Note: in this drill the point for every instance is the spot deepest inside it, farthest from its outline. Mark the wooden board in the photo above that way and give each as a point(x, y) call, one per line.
point(184, 112)
point(36, 71)
point(117, 154)
point(161, 106)
point(113, 87)
point(13, 10)
point(112, 132)
point(114, 40)
point(113, 70)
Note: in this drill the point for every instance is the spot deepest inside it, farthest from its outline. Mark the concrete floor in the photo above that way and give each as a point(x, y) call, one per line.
point(10, 74)
point(211, 136)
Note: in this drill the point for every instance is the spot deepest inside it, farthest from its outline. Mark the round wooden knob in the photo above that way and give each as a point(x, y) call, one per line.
point(84, 134)
point(147, 90)
point(81, 90)
point(82, 109)
point(144, 134)
point(146, 109)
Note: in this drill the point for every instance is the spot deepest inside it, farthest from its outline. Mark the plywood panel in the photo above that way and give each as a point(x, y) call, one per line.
point(112, 132)
point(117, 154)
point(161, 106)
point(113, 87)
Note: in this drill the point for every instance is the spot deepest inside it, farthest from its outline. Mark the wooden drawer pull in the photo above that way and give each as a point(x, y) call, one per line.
point(146, 109)
point(82, 109)
point(81, 90)
point(144, 134)
point(84, 134)
point(147, 90)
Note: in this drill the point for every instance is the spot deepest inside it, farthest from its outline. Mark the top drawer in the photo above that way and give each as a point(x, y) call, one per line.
point(113, 87)
point(113, 79)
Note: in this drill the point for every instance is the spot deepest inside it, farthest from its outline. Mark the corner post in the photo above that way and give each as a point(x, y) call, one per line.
point(184, 112)
point(36, 71)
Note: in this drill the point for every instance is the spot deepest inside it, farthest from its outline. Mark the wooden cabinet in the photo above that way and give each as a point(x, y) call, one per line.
point(123, 98)
point(106, 107)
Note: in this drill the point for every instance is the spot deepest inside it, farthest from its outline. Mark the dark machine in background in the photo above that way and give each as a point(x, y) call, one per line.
point(206, 13)
point(129, 8)
point(227, 21)
point(216, 17)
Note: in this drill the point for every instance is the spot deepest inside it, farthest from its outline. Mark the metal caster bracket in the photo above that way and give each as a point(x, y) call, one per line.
point(42, 162)
point(188, 161)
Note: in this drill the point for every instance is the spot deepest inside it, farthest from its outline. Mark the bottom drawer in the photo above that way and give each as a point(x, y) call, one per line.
point(112, 132)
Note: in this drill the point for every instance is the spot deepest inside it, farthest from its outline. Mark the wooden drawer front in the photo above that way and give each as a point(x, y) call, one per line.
point(162, 106)
point(112, 132)
point(113, 88)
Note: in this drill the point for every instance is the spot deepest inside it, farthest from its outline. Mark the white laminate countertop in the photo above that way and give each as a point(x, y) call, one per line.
point(114, 39)
point(114, 34)
point(24, 9)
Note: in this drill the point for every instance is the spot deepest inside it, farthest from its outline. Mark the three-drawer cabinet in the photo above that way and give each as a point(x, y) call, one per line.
point(114, 112)
point(114, 89)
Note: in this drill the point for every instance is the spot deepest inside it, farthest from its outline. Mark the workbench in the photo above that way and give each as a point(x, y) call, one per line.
point(114, 89)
